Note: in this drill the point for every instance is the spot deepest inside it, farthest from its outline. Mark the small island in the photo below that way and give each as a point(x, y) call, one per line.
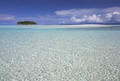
point(26, 23)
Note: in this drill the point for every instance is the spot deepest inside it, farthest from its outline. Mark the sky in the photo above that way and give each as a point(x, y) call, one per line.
point(59, 11)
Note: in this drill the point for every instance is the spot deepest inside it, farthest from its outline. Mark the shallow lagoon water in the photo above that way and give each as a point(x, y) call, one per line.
point(59, 54)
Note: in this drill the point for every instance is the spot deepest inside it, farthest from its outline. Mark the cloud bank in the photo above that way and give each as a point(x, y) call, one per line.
point(92, 15)
point(7, 17)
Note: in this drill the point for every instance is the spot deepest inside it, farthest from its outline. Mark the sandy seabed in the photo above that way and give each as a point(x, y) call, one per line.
point(59, 55)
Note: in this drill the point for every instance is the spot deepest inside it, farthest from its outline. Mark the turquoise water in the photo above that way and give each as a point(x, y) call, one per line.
point(59, 54)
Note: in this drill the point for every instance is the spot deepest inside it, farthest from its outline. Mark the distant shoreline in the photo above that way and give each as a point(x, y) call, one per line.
point(62, 26)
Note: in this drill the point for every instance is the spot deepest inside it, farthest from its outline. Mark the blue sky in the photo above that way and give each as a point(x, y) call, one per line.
point(60, 11)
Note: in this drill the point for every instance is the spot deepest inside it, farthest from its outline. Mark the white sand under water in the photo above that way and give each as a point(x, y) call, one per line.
point(33, 54)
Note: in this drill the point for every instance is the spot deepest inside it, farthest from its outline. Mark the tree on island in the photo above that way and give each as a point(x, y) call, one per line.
point(26, 23)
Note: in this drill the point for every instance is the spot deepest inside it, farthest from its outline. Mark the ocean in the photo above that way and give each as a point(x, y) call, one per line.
point(59, 53)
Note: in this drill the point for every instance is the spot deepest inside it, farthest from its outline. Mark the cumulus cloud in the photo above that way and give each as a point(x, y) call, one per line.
point(92, 15)
point(77, 20)
point(95, 18)
point(91, 19)
point(7, 17)
point(113, 16)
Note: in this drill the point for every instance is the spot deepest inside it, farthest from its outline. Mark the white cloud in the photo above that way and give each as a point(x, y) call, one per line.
point(76, 12)
point(78, 20)
point(116, 13)
point(113, 16)
point(89, 11)
point(95, 18)
point(91, 19)
point(92, 15)
point(108, 16)
point(7, 17)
